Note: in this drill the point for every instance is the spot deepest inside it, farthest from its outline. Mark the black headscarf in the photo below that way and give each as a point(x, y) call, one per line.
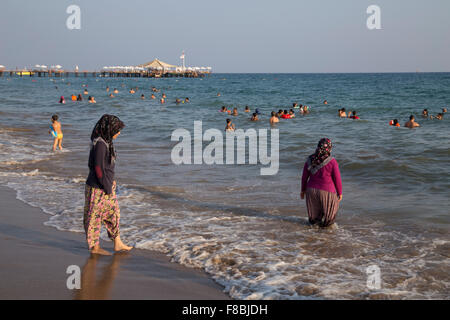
point(106, 128)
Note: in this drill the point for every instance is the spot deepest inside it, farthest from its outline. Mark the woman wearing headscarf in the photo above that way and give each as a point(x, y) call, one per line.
point(322, 185)
point(100, 191)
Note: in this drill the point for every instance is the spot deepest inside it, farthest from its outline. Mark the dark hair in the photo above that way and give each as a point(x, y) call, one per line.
point(395, 121)
point(280, 111)
point(285, 111)
point(105, 128)
point(272, 114)
point(255, 114)
point(411, 117)
point(55, 117)
point(343, 109)
point(246, 107)
point(228, 120)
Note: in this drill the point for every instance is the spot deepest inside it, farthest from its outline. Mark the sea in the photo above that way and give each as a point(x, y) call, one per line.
point(248, 231)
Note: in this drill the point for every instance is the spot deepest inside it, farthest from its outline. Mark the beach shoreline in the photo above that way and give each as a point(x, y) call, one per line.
point(35, 258)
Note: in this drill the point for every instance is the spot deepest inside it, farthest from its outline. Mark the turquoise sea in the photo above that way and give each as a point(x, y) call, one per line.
point(249, 231)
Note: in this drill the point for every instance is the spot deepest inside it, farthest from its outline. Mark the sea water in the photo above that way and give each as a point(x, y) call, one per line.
point(248, 231)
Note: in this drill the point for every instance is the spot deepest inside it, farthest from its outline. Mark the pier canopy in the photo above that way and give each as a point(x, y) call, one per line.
point(157, 64)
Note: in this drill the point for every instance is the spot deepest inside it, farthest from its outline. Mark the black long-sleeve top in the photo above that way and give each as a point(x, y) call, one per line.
point(101, 171)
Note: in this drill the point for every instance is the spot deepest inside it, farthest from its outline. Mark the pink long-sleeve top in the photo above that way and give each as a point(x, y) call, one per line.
point(328, 178)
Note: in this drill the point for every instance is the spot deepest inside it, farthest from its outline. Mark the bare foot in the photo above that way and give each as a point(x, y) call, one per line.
point(101, 251)
point(120, 246)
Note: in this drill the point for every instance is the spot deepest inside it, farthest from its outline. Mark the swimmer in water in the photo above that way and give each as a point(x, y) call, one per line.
point(247, 109)
point(164, 95)
point(411, 123)
point(273, 118)
point(285, 115)
point(254, 117)
point(177, 101)
point(229, 127)
point(111, 95)
point(142, 97)
point(439, 116)
point(235, 112)
point(291, 113)
point(444, 110)
point(85, 92)
point(325, 102)
point(153, 96)
point(62, 100)
point(425, 113)
point(186, 100)
point(115, 90)
point(394, 123)
point(224, 109)
point(56, 127)
point(353, 116)
point(132, 91)
point(91, 100)
point(79, 98)
point(162, 100)
point(218, 94)
point(107, 89)
point(342, 113)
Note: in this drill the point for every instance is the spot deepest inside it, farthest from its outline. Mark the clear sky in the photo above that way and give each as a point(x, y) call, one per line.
point(230, 35)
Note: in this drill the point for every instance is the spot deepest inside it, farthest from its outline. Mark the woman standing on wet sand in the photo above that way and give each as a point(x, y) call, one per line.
point(100, 191)
point(321, 182)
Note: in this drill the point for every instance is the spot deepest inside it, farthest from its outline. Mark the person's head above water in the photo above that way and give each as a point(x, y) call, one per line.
point(54, 117)
point(411, 117)
point(108, 128)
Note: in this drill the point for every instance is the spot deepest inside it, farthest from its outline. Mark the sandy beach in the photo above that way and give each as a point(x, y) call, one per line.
point(35, 258)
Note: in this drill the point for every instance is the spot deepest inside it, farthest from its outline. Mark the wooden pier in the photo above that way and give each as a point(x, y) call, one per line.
point(103, 74)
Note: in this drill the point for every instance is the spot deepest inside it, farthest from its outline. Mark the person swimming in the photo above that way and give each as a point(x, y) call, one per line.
point(411, 123)
point(254, 117)
point(235, 112)
point(273, 118)
point(142, 97)
point(132, 91)
point(285, 115)
point(229, 127)
point(353, 116)
point(91, 99)
point(291, 113)
point(153, 96)
point(62, 100)
point(186, 100)
point(394, 123)
point(115, 90)
point(79, 98)
point(247, 109)
point(325, 102)
point(224, 109)
point(439, 116)
point(85, 92)
point(425, 113)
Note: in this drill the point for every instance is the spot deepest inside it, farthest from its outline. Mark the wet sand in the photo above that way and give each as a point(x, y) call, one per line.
point(34, 260)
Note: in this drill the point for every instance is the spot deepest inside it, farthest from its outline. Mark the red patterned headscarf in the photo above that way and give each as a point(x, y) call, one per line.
point(321, 157)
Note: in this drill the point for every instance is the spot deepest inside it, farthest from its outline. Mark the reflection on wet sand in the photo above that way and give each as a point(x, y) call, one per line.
point(98, 286)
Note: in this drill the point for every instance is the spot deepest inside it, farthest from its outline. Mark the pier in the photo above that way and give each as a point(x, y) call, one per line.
point(104, 74)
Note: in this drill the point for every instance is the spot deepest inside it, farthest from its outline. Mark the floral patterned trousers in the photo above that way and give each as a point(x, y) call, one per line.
point(100, 207)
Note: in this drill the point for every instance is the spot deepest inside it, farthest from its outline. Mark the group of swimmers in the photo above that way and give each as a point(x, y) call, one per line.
point(274, 117)
point(411, 123)
point(351, 115)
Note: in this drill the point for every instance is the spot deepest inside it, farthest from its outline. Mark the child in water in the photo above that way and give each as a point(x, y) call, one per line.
point(55, 130)
point(394, 123)
point(229, 127)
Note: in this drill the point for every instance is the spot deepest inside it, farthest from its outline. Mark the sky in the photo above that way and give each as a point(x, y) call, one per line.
point(275, 36)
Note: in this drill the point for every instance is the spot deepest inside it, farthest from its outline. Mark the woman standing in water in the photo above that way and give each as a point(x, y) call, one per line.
point(100, 191)
point(321, 182)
